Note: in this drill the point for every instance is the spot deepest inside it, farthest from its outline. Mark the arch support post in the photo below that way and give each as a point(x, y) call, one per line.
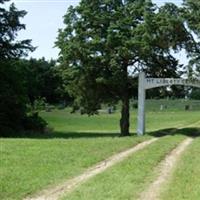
point(141, 105)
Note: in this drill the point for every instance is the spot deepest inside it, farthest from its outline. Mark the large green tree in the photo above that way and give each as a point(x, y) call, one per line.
point(192, 16)
point(42, 80)
point(104, 41)
point(12, 90)
point(9, 27)
point(191, 13)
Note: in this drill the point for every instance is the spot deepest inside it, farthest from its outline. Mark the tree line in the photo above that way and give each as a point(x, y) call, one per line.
point(103, 43)
point(23, 81)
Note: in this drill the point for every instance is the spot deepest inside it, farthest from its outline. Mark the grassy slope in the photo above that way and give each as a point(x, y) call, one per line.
point(28, 165)
point(172, 105)
point(185, 183)
point(62, 121)
point(127, 179)
point(178, 119)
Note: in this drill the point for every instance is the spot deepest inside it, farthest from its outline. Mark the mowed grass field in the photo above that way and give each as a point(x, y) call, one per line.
point(28, 165)
point(76, 125)
point(185, 182)
point(130, 177)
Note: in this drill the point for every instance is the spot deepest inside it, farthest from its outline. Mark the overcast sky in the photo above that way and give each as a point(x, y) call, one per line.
point(43, 20)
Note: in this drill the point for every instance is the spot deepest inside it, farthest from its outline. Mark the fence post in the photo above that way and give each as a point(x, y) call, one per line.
point(141, 105)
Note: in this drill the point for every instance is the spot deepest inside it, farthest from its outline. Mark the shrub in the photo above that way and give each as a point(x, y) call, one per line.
point(34, 122)
point(39, 104)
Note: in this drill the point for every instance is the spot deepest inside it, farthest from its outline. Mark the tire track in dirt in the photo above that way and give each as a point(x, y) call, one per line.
point(57, 192)
point(165, 169)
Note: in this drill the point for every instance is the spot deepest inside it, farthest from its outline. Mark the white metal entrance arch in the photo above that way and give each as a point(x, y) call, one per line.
point(148, 83)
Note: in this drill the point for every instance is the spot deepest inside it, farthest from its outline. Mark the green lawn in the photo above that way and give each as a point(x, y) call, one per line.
point(172, 105)
point(29, 165)
point(185, 183)
point(178, 119)
point(64, 122)
point(127, 179)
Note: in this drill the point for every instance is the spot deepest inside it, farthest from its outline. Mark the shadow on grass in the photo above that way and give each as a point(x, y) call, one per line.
point(74, 135)
point(192, 132)
point(62, 135)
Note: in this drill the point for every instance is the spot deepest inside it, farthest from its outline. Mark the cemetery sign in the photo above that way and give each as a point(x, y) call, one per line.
point(149, 83)
point(157, 82)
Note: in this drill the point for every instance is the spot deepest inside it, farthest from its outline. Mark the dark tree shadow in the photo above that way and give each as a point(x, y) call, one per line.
point(191, 132)
point(62, 135)
point(74, 135)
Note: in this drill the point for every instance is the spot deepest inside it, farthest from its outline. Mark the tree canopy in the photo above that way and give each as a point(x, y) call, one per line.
point(9, 27)
point(13, 97)
point(192, 16)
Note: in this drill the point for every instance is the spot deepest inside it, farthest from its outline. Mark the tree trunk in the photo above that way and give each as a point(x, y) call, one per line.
point(124, 121)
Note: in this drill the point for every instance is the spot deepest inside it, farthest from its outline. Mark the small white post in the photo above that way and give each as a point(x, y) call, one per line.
point(141, 104)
